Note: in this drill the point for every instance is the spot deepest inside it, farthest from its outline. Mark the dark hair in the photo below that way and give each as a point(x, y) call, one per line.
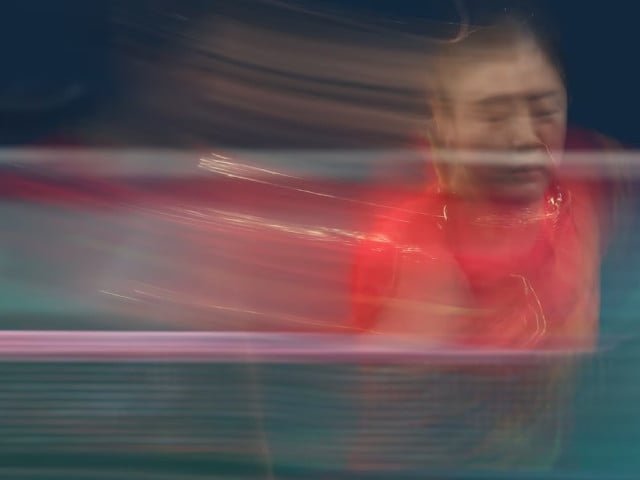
point(497, 32)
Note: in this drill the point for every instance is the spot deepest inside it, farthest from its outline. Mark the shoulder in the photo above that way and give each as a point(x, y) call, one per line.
point(583, 139)
point(594, 160)
point(596, 177)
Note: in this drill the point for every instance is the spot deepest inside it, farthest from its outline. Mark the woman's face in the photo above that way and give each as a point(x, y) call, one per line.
point(510, 105)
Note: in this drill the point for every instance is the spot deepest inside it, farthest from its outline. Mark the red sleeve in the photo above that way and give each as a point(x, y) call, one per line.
point(373, 280)
point(375, 267)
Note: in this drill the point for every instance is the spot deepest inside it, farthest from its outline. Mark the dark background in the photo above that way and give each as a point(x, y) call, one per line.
point(46, 46)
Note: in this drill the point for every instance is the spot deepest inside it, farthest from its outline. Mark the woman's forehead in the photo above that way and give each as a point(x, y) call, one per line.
point(510, 72)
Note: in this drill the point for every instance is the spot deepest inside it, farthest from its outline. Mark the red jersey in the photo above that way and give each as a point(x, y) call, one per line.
point(410, 277)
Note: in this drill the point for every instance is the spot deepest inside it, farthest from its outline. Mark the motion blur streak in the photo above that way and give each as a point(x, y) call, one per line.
point(148, 237)
point(237, 247)
point(263, 74)
point(169, 246)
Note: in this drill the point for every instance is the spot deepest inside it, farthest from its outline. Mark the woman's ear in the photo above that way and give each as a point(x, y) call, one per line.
point(436, 141)
point(436, 125)
point(430, 131)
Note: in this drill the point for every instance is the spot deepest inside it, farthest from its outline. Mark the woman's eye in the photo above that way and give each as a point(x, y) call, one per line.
point(495, 119)
point(493, 116)
point(545, 113)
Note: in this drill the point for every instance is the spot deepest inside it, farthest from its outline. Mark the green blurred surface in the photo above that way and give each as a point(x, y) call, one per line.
point(217, 404)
